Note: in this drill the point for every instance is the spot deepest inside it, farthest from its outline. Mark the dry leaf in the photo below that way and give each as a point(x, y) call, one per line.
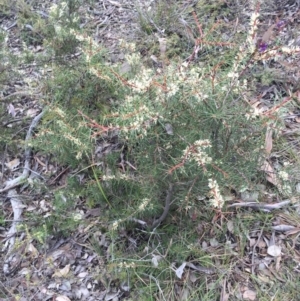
point(115, 3)
point(155, 260)
point(277, 263)
point(230, 226)
point(249, 295)
point(291, 232)
point(213, 242)
point(13, 164)
point(204, 245)
point(270, 173)
point(82, 274)
point(33, 250)
point(284, 228)
point(261, 244)
point(32, 112)
point(180, 270)
point(62, 272)
point(169, 129)
point(268, 34)
point(162, 46)
point(252, 242)
point(263, 278)
point(11, 110)
point(274, 250)
point(62, 298)
point(154, 59)
point(269, 141)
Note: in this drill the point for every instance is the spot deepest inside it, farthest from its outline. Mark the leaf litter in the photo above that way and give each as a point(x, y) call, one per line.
point(67, 262)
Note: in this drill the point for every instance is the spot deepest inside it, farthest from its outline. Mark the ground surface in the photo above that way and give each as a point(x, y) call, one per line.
point(258, 263)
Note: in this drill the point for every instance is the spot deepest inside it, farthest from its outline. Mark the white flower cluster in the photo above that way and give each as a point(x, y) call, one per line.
point(142, 81)
point(77, 216)
point(283, 175)
point(116, 224)
point(127, 46)
point(192, 79)
point(244, 51)
point(277, 54)
point(89, 51)
point(57, 11)
point(127, 265)
point(140, 117)
point(173, 88)
point(133, 58)
point(285, 187)
point(290, 50)
point(197, 152)
point(238, 65)
point(120, 176)
point(254, 112)
point(216, 199)
point(60, 112)
point(144, 204)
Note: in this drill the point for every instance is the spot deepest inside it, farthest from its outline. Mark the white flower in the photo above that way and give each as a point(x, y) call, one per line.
point(232, 75)
point(216, 199)
point(58, 29)
point(197, 152)
point(115, 225)
point(283, 175)
point(144, 203)
point(53, 10)
point(172, 89)
point(78, 216)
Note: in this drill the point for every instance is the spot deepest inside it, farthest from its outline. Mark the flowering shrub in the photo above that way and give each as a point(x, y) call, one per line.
point(179, 138)
point(184, 124)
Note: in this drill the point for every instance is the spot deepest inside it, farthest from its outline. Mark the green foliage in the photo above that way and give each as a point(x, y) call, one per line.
point(188, 123)
point(183, 124)
point(182, 127)
point(64, 135)
point(9, 64)
point(8, 61)
point(63, 220)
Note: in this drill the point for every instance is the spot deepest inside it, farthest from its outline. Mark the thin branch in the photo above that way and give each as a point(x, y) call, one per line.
point(19, 180)
point(262, 206)
point(166, 208)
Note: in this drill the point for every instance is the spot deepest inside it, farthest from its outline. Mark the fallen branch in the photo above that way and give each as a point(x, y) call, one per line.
point(16, 202)
point(17, 206)
point(262, 206)
point(20, 180)
point(21, 93)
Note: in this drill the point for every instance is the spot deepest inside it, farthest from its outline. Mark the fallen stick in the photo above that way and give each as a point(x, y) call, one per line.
point(17, 206)
point(20, 179)
point(16, 202)
point(262, 206)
